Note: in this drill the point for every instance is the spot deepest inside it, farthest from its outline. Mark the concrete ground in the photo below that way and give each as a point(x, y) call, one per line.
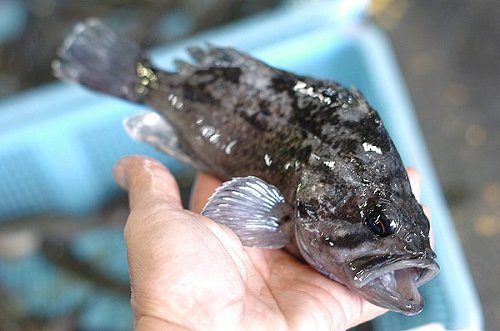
point(449, 52)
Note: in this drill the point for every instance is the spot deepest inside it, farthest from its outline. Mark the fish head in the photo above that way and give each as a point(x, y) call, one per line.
point(374, 241)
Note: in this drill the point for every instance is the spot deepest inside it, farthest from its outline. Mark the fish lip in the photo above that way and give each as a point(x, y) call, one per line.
point(365, 276)
point(365, 270)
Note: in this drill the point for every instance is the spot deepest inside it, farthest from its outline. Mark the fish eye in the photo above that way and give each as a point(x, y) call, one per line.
point(381, 225)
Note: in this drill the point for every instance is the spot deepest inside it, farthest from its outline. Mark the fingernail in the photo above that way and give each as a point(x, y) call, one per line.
point(120, 174)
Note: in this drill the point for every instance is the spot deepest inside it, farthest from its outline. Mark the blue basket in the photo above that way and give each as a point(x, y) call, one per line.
point(58, 143)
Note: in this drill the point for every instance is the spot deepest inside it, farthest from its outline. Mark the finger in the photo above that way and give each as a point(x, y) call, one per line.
point(204, 186)
point(416, 186)
point(427, 213)
point(367, 312)
point(147, 182)
point(415, 182)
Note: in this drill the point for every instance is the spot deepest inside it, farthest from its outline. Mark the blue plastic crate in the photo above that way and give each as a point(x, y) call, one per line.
point(13, 17)
point(41, 288)
point(58, 143)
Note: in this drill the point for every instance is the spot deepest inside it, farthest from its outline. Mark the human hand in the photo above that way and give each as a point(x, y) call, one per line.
point(188, 272)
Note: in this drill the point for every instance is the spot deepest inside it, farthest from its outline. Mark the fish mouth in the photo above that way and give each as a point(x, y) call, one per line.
point(392, 281)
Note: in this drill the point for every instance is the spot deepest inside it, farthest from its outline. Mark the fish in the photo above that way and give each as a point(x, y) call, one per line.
point(307, 163)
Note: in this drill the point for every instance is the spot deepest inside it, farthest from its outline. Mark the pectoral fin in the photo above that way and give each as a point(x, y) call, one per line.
point(255, 210)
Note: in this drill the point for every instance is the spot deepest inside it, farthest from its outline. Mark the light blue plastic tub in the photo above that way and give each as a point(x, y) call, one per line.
point(58, 143)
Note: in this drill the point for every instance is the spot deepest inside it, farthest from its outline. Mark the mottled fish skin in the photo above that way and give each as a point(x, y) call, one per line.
point(235, 117)
point(322, 145)
point(243, 117)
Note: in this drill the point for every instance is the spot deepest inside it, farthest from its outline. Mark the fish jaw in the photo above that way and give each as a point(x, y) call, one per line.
point(392, 282)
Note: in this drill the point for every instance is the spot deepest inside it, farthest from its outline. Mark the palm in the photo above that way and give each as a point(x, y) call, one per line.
point(196, 265)
point(189, 272)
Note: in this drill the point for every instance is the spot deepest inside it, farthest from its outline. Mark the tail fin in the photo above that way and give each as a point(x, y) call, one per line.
point(95, 56)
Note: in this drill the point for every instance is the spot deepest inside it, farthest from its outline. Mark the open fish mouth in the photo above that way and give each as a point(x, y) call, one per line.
point(392, 281)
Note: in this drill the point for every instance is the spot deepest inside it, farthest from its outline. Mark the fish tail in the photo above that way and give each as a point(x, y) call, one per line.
point(95, 56)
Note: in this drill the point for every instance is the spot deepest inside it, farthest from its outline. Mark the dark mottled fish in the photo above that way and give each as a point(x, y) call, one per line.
point(309, 163)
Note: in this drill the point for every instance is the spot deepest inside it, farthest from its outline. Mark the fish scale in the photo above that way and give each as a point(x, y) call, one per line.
point(309, 164)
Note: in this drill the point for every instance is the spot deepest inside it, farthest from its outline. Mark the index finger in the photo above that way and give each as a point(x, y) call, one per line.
point(204, 186)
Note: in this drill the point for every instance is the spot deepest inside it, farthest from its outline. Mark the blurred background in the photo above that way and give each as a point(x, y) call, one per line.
point(448, 53)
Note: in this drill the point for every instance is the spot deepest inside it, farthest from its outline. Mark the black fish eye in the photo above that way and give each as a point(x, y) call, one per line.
point(381, 225)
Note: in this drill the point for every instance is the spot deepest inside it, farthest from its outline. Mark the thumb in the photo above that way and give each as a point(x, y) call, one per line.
point(152, 190)
point(147, 181)
point(153, 197)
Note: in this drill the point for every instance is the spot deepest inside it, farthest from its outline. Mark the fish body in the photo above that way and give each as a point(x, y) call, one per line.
point(309, 163)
